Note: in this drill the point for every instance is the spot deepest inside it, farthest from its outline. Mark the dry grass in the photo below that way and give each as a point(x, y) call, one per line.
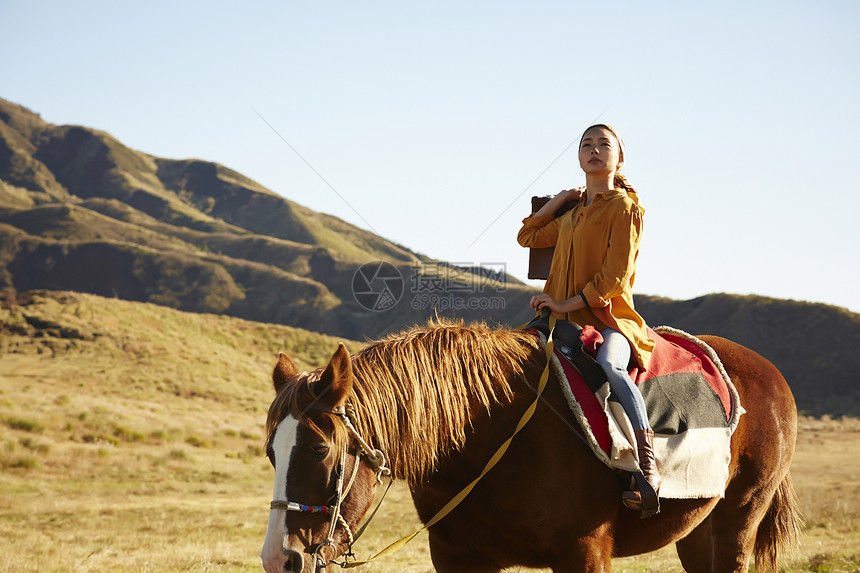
point(136, 447)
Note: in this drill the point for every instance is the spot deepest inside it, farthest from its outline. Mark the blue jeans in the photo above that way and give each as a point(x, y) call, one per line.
point(613, 356)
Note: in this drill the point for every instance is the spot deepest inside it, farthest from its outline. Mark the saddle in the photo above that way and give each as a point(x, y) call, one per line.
point(568, 341)
point(568, 337)
point(692, 406)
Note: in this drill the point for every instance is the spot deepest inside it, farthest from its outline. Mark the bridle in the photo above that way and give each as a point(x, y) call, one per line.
point(374, 457)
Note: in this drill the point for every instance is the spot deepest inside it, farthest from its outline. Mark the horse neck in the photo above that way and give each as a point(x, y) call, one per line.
point(421, 419)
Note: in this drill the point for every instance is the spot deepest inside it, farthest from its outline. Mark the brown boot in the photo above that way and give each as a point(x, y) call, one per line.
point(648, 465)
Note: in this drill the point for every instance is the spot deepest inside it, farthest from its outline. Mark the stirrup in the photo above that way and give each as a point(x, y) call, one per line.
point(648, 502)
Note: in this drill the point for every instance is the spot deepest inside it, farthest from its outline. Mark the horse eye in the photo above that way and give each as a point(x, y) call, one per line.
point(319, 451)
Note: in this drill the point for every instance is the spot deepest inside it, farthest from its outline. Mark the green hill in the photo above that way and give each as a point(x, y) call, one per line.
point(131, 434)
point(131, 439)
point(80, 211)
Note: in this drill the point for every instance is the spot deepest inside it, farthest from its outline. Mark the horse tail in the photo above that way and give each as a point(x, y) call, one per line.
point(780, 527)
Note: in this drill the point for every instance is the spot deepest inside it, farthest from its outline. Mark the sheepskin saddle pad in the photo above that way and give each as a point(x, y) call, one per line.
point(692, 405)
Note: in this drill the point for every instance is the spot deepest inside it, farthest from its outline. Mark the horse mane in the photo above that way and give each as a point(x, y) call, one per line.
point(417, 391)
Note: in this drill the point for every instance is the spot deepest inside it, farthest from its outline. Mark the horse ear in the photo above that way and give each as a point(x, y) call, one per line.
point(335, 384)
point(284, 370)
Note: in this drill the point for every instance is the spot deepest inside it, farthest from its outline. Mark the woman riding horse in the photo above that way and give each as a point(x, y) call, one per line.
point(591, 277)
point(439, 400)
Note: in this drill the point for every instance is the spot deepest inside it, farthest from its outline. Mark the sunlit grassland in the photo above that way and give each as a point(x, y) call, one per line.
point(131, 434)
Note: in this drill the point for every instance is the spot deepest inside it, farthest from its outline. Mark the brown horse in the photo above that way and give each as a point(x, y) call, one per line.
point(439, 400)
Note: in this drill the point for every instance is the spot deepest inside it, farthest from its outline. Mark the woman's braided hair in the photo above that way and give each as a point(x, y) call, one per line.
point(620, 180)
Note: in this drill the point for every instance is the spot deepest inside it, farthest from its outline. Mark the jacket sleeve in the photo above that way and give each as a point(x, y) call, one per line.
point(620, 263)
point(538, 232)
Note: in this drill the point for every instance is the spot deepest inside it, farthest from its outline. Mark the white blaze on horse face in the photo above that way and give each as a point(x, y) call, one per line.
point(283, 442)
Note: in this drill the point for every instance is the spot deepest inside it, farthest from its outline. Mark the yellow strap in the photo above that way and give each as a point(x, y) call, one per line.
point(493, 461)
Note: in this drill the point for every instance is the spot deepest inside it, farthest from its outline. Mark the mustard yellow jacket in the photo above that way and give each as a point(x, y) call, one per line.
point(596, 248)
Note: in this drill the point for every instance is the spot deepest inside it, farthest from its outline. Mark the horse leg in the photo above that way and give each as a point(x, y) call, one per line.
point(587, 563)
point(696, 550)
point(590, 554)
point(725, 540)
point(447, 558)
point(760, 486)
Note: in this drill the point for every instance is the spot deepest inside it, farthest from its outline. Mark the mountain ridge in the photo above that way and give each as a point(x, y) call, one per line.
point(81, 197)
point(79, 211)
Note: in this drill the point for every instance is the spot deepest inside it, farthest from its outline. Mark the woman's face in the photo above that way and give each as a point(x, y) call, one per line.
point(599, 151)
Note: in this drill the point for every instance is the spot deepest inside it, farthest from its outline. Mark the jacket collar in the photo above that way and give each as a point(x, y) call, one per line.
point(613, 193)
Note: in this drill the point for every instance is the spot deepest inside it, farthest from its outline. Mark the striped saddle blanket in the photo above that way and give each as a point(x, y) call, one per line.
point(692, 406)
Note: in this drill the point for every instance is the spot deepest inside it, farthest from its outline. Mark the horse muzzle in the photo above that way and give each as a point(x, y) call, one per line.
point(294, 562)
point(312, 559)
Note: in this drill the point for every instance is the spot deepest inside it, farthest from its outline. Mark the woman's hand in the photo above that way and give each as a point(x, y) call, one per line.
point(540, 301)
point(574, 194)
point(562, 197)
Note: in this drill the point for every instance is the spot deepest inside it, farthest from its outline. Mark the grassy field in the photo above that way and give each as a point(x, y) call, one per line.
point(131, 434)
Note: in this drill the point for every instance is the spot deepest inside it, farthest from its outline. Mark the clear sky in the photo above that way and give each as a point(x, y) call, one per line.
point(428, 121)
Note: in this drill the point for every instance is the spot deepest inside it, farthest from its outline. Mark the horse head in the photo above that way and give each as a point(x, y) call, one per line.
point(325, 473)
